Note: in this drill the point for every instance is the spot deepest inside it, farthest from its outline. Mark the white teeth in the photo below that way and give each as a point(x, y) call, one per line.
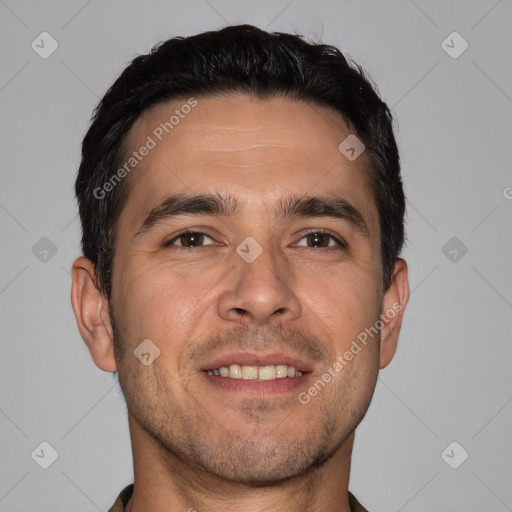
point(235, 371)
point(269, 372)
point(249, 372)
point(281, 371)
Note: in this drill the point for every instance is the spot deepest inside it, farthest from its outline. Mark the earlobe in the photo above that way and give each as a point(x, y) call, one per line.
point(91, 312)
point(394, 303)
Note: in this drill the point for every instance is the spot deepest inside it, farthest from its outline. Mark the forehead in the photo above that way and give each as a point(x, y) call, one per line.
point(251, 148)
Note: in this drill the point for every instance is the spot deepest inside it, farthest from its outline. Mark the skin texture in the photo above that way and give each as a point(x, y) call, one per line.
point(197, 445)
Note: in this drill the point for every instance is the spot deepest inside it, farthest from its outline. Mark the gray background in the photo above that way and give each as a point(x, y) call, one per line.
point(450, 380)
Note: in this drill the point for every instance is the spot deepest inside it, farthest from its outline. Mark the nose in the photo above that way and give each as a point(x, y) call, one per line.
point(259, 293)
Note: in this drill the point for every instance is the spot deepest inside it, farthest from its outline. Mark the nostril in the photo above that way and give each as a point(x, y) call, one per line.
point(241, 311)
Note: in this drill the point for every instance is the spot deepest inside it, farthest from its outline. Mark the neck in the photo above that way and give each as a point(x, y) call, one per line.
point(164, 481)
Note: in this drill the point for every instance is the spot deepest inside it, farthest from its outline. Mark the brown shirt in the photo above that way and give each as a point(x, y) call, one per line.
point(126, 494)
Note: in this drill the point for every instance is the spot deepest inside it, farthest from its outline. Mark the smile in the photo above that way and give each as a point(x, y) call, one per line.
point(245, 372)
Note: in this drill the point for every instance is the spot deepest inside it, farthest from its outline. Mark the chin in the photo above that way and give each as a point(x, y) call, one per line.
point(259, 463)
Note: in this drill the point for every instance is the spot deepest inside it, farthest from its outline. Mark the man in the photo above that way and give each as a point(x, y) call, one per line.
point(242, 213)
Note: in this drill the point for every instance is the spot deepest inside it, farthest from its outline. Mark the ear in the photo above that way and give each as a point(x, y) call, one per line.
point(393, 305)
point(91, 313)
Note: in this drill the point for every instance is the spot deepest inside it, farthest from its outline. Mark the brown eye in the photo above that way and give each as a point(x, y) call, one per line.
point(189, 240)
point(318, 239)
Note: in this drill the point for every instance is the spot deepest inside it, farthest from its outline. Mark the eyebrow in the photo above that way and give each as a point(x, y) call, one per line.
point(229, 206)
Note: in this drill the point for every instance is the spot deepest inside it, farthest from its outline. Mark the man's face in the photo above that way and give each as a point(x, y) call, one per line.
point(206, 301)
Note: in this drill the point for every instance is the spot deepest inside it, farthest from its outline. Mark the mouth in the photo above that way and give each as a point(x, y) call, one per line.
point(257, 374)
point(245, 372)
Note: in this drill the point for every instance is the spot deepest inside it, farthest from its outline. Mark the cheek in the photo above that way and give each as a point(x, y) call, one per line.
point(345, 300)
point(160, 303)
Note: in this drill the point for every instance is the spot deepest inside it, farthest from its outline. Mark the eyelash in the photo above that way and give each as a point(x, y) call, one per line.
point(339, 241)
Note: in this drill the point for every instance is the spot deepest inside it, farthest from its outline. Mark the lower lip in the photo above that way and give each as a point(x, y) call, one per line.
point(259, 387)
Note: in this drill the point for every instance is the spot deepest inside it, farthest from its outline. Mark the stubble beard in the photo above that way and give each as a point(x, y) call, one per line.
point(193, 437)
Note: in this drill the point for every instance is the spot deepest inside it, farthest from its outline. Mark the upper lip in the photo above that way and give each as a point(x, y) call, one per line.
point(258, 359)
